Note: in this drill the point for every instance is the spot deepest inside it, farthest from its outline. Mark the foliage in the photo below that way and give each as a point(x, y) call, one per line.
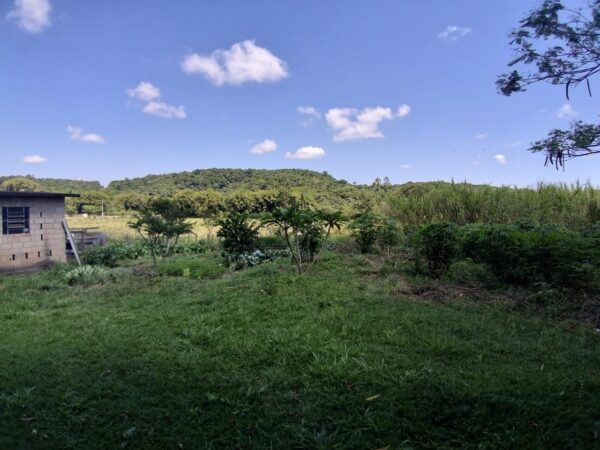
point(113, 252)
point(20, 184)
point(255, 258)
point(520, 254)
point(161, 223)
point(191, 247)
point(86, 275)
point(469, 273)
point(389, 234)
point(238, 233)
point(364, 229)
point(564, 47)
point(438, 244)
point(581, 140)
point(304, 230)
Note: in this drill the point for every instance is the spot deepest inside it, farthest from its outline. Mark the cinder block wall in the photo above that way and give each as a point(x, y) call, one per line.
point(45, 242)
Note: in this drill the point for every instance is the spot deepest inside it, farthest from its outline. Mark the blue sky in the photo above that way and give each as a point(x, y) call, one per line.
point(104, 90)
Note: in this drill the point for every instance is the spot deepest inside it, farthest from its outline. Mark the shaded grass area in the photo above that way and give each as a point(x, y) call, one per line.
point(266, 358)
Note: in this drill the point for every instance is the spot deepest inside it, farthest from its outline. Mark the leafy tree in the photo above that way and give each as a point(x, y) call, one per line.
point(288, 222)
point(304, 230)
point(238, 233)
point(160, 223)
point(20, 184)
point(564, 47)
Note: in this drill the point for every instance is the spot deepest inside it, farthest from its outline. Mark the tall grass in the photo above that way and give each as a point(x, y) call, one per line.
point(575, 206)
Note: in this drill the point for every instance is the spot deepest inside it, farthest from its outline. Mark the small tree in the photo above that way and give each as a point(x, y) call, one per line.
point(161, 223)
point(237, 232)
point(364, 228)
point(389, 234)
point(304, 230)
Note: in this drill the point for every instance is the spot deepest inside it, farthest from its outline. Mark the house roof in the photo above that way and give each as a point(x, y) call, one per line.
point(8, 194)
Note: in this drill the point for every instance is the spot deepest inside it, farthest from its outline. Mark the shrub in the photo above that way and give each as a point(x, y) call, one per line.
point(270, 242)
point(364, 229)
point(237, 232)
point(389, 234)
point(191, 247)
point(533, 254)
point(86, 275)
point(439, 246)
point(110, 254)
point(470, 273)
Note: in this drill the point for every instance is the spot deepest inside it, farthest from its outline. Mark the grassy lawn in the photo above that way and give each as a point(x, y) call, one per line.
point(266, 358)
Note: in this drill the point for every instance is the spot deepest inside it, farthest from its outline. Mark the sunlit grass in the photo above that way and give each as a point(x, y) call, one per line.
point(266, 358)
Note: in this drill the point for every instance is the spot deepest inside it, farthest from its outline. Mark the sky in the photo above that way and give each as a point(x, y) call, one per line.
point(112, 89)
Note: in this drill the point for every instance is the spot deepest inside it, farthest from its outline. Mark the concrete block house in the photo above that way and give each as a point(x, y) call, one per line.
point(33, 230)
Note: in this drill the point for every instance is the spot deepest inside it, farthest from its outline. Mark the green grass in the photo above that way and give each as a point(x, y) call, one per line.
point(266, 358)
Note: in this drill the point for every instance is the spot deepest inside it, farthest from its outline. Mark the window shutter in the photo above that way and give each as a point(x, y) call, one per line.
point(4, 221)
point(26, 221)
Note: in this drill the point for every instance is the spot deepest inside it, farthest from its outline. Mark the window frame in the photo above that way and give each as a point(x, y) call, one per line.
point(23, 220)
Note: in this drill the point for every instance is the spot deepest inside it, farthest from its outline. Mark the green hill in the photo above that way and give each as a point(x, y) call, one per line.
point(228, 180)
point(61, 185)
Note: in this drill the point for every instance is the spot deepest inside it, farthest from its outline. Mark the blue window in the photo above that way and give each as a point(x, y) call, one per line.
point(15, 220)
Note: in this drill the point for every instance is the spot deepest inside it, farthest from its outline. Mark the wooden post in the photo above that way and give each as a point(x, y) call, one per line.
point(71, 241)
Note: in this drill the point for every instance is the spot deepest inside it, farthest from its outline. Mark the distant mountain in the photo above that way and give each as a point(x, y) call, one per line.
point(61, 185)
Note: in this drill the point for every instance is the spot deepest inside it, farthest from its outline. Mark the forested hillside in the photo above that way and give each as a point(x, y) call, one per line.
point(60, 185)
point(228, 180)
point(206, 192)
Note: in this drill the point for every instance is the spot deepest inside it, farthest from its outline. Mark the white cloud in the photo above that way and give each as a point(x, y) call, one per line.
point(566, 111)
point(148, 93)
point(403, 110)
point(480, 136)
point(263, 147)
point(308, 110)
point(306, 153)
point(500, 159)
point(453, 33)
point(161, 109)
point(77, 134)
point(309, 113)
point(405, 166)
point(144, 92)
point(31, 15)
point(349, 123)
point(244, 62)
point(34, 159)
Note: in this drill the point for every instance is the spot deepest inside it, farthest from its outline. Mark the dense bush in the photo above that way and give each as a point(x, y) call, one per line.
point(238, 233)
point(191, 247)
point(110, 254)
point(270, 242)
point(389, 234)
point(470, 273)
point(523, 253)
point(364, 229)
point(438, 243)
